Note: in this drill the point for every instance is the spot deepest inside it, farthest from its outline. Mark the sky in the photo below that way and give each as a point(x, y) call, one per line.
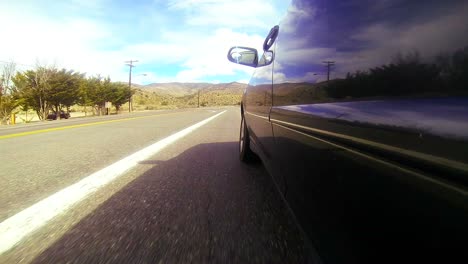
point(173, 40)
point(362, 34)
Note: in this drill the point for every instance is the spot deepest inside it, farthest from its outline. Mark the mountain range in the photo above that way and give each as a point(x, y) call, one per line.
point(167, 95)
point(177, 89)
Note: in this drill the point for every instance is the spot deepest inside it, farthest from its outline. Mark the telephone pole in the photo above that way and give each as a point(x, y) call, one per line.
point(130, 64)
point(329, 64)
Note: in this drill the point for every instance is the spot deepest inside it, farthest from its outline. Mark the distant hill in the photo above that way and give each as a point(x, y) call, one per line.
point(175, 89)
point(178, 95)
point(182, 89)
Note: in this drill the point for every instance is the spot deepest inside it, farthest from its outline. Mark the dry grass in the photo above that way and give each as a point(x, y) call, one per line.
point(203, 94)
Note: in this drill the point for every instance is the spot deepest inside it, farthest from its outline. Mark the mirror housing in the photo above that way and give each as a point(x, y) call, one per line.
point(243, 56)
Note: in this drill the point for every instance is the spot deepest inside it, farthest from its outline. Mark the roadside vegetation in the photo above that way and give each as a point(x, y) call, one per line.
point(48, 89)
point(34, 94)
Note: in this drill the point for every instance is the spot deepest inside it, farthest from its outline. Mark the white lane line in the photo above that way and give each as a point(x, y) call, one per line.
point(15, 228)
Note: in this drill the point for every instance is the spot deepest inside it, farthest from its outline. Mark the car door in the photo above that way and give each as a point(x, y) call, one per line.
point(370, 118)
point(257, 104)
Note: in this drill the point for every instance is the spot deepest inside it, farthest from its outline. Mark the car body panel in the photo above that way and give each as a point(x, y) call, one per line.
point(257, 106)
point(369, 116)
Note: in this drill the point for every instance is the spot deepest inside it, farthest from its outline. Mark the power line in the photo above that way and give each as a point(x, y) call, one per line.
point(130, 64)
point(329, 64)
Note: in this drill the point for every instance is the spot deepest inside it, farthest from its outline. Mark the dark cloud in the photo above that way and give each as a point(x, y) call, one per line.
point(359, 35)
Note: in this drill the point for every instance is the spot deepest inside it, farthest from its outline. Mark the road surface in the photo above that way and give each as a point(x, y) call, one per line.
point(69, 193)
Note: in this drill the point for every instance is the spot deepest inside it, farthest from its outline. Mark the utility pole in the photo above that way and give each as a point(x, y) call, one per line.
point(198, 97)
point(329, 64)
point(130, 64)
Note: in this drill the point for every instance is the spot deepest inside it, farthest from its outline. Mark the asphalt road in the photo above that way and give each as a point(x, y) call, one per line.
point(192, 202)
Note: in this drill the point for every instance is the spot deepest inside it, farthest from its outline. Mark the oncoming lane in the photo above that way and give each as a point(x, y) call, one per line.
point(37, 165)
point(20, 130)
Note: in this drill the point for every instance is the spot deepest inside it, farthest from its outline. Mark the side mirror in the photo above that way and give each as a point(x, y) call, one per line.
point(243, 55)
point(266, 59)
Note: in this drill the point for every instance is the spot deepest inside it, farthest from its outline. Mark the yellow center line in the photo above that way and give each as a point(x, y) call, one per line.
point(75, 126)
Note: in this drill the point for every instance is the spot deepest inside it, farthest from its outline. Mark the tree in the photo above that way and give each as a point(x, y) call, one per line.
point(83, 94)
point(454, 69)
point(120, 94)
point(86, 92)
point(407, 75)
point(34, 89)
point(8, 100)
point(45, 89)
point(94, 92)
point(64, 89)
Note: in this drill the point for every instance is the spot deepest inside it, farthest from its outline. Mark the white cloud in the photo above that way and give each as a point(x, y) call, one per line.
point(305, 55)
point(82, 43)
point(210, 55)
point(88, 4)
point(443, 33)
point(200, 57)
point(230, 13)
point(149, 77)
point(70, 43)
point(296, 14)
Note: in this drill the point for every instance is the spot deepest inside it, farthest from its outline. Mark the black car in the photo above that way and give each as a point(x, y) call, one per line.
point(359, 111)
point(53, 115)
